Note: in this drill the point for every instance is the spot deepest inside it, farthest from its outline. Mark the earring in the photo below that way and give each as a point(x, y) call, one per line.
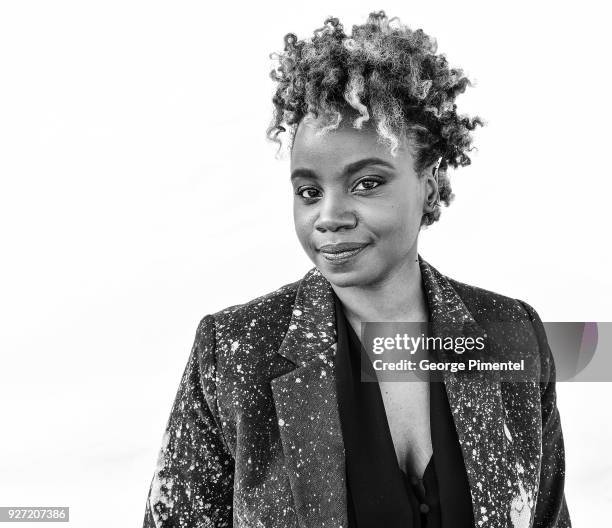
point(434, 203)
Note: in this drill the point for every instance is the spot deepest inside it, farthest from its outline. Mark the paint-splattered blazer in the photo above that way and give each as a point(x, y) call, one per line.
point(254, 437)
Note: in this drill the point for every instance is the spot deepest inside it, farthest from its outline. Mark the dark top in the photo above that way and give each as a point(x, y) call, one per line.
point(379, 493)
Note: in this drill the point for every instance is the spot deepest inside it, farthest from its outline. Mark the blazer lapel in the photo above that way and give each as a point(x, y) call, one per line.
point(476, 405)
point(309, 422)
point(307, 408)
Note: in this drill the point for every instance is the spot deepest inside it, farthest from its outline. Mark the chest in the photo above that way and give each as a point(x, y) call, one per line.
point(407, 409)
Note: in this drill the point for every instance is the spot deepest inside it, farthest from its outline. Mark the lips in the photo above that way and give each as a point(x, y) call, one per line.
point(341, 247)
point(342, 253)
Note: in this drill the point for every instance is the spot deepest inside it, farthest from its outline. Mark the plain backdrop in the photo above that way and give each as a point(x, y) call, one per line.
point(138, 193)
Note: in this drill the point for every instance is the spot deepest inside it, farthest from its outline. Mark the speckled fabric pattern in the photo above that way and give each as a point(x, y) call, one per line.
point(254, 437)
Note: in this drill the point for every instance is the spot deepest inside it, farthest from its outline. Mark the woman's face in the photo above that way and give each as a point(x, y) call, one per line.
point(357, 209)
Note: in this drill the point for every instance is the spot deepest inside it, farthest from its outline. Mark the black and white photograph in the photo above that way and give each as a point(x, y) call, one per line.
point(305, 265)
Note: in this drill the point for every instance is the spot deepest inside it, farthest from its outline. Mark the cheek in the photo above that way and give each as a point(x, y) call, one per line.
point(302, 224)
point(399, 217)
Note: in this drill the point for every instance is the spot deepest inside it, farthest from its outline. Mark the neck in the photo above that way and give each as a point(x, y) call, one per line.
point(399, 297)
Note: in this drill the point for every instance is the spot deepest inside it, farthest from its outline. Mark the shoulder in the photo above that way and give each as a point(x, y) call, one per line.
point(266, 310)
point(486, 304)
point(259, 323)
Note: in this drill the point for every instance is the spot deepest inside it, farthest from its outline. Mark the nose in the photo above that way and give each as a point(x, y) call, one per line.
point(335, 213)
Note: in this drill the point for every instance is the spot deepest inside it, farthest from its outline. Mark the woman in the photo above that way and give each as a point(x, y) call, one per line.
point(271, 426)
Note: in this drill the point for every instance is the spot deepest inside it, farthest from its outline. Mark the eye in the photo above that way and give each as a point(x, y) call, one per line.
point(368, 184)
point(308, 193)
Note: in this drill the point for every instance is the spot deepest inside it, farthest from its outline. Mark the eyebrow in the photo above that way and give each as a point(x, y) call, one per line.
point(351, 168)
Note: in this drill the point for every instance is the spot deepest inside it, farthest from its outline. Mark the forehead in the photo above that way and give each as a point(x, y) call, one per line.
point(337, 147)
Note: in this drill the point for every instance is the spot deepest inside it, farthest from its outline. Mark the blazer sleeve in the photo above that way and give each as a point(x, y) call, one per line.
point(551, 508)
point(192, 486)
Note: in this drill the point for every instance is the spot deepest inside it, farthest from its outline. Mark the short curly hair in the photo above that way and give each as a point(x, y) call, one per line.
point(383, 70)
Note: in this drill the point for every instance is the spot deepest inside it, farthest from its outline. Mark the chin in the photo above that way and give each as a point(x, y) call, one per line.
point(344, 278)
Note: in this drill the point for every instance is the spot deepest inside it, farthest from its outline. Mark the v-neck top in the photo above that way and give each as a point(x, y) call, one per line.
point(379, 493)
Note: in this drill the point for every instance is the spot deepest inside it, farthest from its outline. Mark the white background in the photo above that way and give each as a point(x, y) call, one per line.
point(138, 193)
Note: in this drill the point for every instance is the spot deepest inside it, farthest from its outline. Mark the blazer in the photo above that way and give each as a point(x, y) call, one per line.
point(254, 437)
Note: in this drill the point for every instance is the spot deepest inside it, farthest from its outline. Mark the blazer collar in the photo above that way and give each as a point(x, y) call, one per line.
point(307, 408)
point(312, 328)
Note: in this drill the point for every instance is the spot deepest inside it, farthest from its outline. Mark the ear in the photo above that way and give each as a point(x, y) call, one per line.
point(430, 175)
